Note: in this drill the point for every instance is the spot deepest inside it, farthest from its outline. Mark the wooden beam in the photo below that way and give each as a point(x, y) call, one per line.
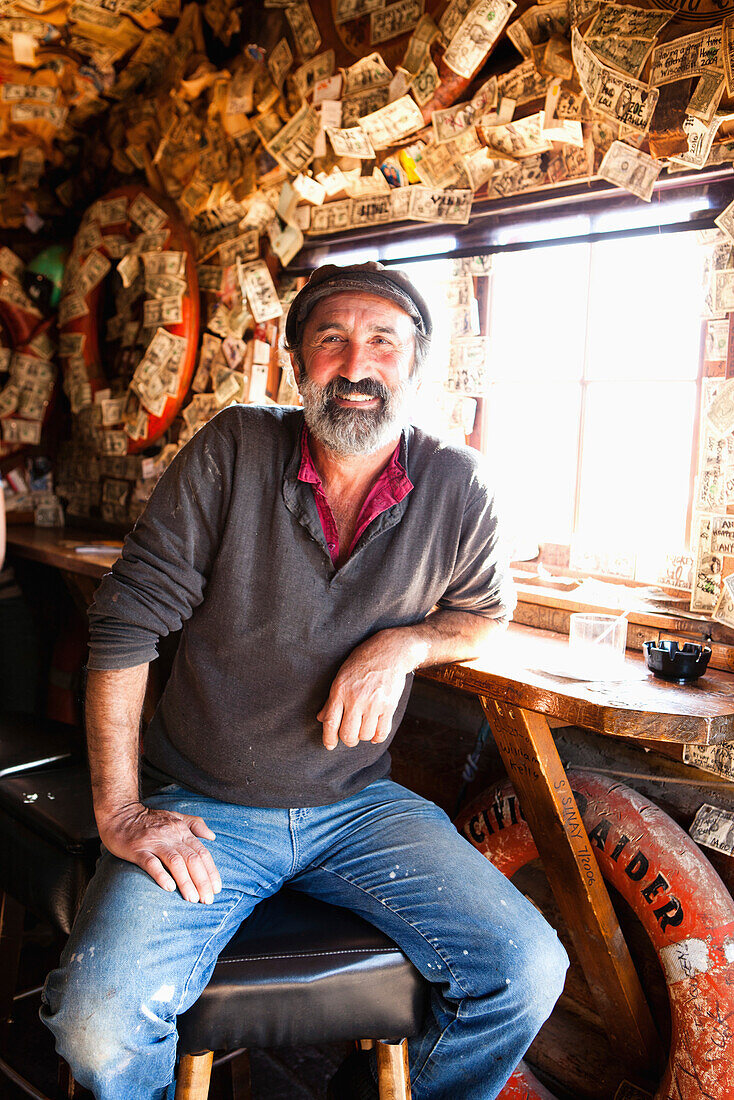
point(530, 756)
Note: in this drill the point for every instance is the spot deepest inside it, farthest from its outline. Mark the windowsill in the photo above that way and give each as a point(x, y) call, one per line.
point(653, 613)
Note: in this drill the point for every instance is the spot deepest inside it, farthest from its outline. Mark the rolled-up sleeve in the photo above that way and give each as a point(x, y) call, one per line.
point(481, 582)
point(160, 578)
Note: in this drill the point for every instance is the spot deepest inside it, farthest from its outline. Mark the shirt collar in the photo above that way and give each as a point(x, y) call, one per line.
point(395, 473)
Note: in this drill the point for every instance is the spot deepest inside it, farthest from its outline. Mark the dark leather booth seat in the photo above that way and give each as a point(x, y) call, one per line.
point(48, 841)
point(28, 743)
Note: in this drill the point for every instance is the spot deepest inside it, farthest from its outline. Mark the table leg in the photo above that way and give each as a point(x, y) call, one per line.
point(530, 756)
point(82, 589)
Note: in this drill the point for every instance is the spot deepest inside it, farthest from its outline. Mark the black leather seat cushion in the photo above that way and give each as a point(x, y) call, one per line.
point(48, 841)
point(301, 971)
point(27, 743)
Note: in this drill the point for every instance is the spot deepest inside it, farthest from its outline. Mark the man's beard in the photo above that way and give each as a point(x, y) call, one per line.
point(354, 431)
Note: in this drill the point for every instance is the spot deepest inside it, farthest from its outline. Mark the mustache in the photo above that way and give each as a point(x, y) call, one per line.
point(342, 387)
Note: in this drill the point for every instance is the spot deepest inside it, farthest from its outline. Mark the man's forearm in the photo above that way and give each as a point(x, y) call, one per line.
point(114, 704)
point(370, 683)
point(164, 843)
point(443, 637)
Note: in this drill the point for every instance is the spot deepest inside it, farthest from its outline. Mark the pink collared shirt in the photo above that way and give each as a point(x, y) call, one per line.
point(392, 486)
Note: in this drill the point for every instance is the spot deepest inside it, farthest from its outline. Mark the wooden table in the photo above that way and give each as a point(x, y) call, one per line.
point(518, 695)
point(64, 549)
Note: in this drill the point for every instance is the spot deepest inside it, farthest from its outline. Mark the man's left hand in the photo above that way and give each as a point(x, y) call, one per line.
point(366, 691)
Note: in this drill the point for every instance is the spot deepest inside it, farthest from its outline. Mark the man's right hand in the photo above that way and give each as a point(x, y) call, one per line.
point(165, 844)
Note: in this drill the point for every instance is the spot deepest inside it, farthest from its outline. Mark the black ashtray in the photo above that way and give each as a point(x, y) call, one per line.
point(670, 661)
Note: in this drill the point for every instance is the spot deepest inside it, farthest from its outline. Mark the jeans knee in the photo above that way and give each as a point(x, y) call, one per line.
point(98, 1032)
point(542, 975)
point(89, 1038)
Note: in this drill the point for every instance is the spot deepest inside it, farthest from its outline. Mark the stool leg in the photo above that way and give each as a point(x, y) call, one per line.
point(11, 938)
point(240, 1077)
point(194, 1072)
point(69, 1089)
point(393, 1078)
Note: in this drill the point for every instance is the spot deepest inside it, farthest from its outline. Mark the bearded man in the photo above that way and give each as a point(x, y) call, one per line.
point(313, 559)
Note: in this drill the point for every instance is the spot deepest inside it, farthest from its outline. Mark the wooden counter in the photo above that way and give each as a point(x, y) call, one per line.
point(59, 546)
point(516, 668)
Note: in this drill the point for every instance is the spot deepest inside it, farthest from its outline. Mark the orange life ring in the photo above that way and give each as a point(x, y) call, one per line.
point(684, 907)
point(177, 239)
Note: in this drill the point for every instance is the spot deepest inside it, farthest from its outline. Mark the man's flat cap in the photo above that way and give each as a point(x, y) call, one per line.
point(372, 278)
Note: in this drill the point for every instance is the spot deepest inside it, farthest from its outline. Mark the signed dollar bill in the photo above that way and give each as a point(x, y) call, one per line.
point(257, 286)
point(395, 19)
point(630, 169)
point(293, 145)
point(720, 412)
point(368, 72)
point(307, 75)
point(357, 106)
point(538, 24)
point(147, 214)
point(700, 137)
point(164, 263)
point(522, 84)
point(622, 21)
point(453, 17)
point(684, 57)
point(352, 142)
point(707, 95)
point(19, 93)
point(306, 33)
point(514, 140)
point(437, 166)
point(427, 204)
point(623, 99)
point(475, 38)
point(391, 124)
point(727, 52)
point(92, 271)
point(626, 54)
point(280, 61)
point(449, 123)
point(353, 9)
point(162, 311)
point(425, 82)
point(725, 221)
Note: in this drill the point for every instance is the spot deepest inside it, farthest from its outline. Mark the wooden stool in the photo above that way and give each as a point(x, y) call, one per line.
point(299, 971)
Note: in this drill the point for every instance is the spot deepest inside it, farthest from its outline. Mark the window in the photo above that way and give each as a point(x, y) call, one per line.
point(593, 361)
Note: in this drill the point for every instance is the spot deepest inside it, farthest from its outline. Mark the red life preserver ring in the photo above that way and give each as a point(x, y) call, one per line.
point(177, 240)
point(684, 907)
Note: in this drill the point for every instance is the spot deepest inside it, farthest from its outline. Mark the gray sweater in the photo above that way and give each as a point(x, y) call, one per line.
point(230, 547)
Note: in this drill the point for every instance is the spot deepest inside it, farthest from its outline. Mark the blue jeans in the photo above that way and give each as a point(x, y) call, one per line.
point(138, 956)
